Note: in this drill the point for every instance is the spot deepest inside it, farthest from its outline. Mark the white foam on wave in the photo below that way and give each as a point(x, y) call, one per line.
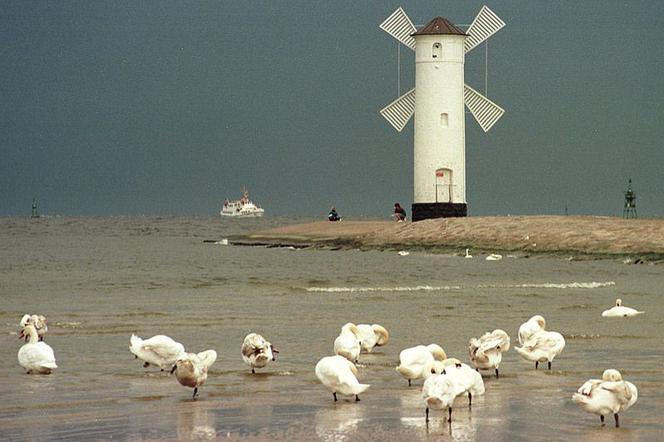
point(546, 285)
point(382, 289)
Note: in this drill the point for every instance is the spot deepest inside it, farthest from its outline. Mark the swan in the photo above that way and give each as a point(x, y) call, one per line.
point(542, 346)
point(455, 379)
point(159, 350)
point(620, 310)
point(611, 394)
point(468, 255)
point(486, 352)
point(371, 336)
point(39, 321)
point(338, 374)
point(347, 343)
point(416, 362)
point(257, 352)
point(404, 253)
point(534, 324)
point(191, 369)
point(36, 356)
point(494, 257)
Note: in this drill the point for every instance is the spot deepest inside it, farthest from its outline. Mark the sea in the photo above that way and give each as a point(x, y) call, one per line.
point(100, 280)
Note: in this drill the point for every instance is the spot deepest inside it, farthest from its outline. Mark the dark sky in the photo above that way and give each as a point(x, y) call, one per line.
point(168, 107)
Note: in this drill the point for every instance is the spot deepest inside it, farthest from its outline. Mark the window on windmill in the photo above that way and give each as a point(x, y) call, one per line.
point(444, 120)
point(437, 50)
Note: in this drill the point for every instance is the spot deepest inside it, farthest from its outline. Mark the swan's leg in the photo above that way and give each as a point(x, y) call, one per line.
point(409, 382)
point(470, 399)
point(426, 415)
point(497, 375)
point(536, 364)
point(549, 365)
point(195, 392)
point(601, 419)
point(357, 399)
point(253, 371)
point(173, 369)
point(335, 396)
point(146, 364)
point(449, 414)
point(617, 422)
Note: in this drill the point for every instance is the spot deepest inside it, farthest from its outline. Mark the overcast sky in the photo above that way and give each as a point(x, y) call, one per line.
point(168, 107)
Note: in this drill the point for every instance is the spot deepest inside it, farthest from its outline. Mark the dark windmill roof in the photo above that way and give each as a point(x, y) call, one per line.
point(440, 26)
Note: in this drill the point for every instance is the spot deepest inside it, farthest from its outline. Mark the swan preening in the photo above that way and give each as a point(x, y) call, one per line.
point(620, 310)
point(191, 369)
point(159, 350)
point(371, 336)
point(347, 343)
point(456, 379)
point(609, 395)
point(528, 328)
point(494, 257)
point(38, 321)
point(36, 356)
point(417, 362)
point(542, 346)
point(257, 352)
point(338, 374)
point(486, 352)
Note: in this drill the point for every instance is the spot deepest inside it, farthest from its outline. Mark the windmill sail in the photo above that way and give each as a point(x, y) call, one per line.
point(398, 112)
point(484, 26)
point(399, 26)
point(485, 111)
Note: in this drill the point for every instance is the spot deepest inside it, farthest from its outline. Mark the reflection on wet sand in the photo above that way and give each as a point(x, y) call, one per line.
point(195, 422)
point(339, 422)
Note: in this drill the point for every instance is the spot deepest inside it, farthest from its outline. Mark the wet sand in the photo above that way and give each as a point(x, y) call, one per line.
point(528, 234)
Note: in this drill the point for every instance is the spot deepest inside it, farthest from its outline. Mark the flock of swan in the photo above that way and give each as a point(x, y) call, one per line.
point(445, 378)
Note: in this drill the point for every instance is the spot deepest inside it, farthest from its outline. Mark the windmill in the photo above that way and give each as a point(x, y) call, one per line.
point(440, 142)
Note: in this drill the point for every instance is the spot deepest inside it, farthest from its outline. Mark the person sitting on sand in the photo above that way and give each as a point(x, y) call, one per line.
point(399, 213)
point(333, 215)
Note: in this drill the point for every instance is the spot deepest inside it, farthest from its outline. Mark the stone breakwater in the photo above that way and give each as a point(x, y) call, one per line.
point(578, 235)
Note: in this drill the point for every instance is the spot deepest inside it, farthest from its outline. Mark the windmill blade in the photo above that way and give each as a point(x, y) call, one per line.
point(398, 112)
point(485, 111)
point(484, 26)
point(399, 26)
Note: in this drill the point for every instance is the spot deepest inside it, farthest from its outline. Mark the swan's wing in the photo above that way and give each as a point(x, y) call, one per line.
point(208, 357)
point(620, 390)
point(587, 388)
point(163, 348)
point(492, 341)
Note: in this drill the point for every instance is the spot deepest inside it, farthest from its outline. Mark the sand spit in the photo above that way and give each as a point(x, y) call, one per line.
point(578, 235)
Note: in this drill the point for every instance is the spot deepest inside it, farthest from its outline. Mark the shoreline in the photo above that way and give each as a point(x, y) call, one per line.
point(579, 236)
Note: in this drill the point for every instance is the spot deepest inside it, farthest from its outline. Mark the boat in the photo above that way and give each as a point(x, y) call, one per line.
point(242, 208)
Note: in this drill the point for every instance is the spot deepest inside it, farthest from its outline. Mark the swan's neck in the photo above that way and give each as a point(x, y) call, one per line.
point(32, 333)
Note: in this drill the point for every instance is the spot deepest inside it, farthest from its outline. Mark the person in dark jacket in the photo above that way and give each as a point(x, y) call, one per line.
point(333, 215)
point(399, 213)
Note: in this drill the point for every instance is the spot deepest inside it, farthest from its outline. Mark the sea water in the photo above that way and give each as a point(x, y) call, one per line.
point(98, 280)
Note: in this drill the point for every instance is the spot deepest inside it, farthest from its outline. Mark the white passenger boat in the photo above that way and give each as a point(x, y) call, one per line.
point(243, 208)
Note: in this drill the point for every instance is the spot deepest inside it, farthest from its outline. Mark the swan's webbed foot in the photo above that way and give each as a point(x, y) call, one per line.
point(601, 419)
point(146, 364)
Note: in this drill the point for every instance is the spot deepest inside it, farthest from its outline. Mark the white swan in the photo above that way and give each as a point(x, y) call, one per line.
point(611, 394)
point(347, 343)
point(620, 310)
point(542, 346)
point(191, 369)
point(36, 356)
point(372, 336)
point(338, 374)
point(417, 362)
point(528, 328)
point(468, 255)
point(404, 253)
point(39, 321)
point(257, 352)
point(486, 352)
point(494, 257)
point(159, 350)
point(456, 379)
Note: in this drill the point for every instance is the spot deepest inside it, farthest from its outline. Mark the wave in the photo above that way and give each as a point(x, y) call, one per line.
point(429, 288)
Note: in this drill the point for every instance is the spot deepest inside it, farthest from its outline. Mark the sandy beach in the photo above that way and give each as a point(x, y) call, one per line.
point(578, 235)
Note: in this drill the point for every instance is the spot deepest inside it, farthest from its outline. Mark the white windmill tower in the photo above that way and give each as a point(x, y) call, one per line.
point(440, 141)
